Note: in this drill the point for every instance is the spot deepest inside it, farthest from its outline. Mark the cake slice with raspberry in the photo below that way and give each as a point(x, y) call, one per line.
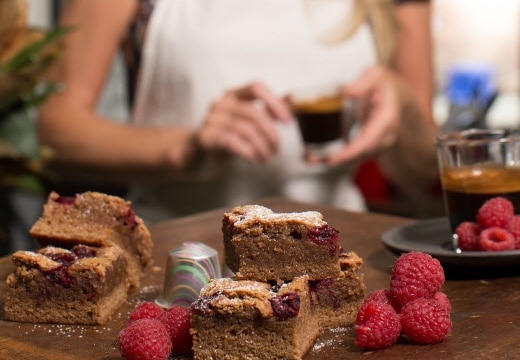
point(95, 219)
point(84, 285)
point(235, 319)
point(266, 246)
point(336, 301)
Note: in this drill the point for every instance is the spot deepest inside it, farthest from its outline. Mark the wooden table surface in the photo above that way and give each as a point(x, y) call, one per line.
point(486, 302)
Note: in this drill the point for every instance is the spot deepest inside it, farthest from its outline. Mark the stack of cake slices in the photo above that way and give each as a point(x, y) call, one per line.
point(292, 280)
point(93, 250)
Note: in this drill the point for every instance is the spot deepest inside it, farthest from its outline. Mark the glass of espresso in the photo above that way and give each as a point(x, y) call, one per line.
point(324, 119)
point(476, 165)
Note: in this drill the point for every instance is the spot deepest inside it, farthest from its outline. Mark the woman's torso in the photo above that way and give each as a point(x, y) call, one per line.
point(197, 49)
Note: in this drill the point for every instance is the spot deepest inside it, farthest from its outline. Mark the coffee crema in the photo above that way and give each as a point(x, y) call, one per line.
point(467, 188)
point(320, 119)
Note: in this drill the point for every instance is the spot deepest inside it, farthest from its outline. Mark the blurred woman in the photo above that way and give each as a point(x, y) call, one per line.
point(210, 123)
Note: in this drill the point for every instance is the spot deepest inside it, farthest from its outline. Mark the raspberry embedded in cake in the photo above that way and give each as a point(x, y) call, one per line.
point(286, 306)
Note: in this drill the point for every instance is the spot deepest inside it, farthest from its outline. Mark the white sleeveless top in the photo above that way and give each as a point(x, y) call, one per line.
point(197, 49)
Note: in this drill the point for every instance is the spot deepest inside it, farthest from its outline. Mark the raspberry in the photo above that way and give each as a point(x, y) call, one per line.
point(377, 326)
point(146, 310)
point(381, 295)
point(425, 321)
point(384, 296)
point(514, 228)
point(468, 233)
point(326, 235)
point(442, 299)
point(145, 339)
point(497, 211)
point(286, 306)
point(496, 239)
point(415, 275)
point(177, 321)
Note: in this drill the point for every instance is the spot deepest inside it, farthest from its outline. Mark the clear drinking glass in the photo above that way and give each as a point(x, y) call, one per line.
point(476, 165)
point(324, 117)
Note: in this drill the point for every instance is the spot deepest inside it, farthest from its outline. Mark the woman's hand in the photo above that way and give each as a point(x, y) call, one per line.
point(242, 123)
point(379, 119)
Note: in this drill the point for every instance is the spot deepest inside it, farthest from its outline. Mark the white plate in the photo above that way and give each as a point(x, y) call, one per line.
point(433, 236)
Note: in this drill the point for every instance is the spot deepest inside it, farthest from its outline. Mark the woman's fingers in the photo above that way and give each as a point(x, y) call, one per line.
point(379, 124)
point(273, 104)
point(242, 123)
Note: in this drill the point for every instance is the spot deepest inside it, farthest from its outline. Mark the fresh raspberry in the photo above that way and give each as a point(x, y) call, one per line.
point(145, 339)
point(443, 299)
point(425, 321)
point(146, 310)
point(415, 275)
point(496, 239)
point(377, 326)
point(177, 321)
point(514, 228)
point(381, 295)
point(384, 296)
point(497, 211)
point(468, 236)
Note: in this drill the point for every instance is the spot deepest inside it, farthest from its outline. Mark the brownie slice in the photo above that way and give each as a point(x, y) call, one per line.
point(84, 285)
point(336, 301)
point(238, 319)
point(265, 246)
point(95, 219)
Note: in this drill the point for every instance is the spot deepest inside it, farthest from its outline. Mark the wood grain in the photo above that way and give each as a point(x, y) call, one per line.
point(486, 311)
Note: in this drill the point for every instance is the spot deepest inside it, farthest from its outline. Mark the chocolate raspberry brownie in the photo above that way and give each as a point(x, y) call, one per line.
point(84, 285)
point(95, 219)
point(255, 320)
point(264, 246)
point(335, 301)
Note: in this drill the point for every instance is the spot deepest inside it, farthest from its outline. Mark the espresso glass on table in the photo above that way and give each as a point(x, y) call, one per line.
point(476, 165)
point(324, 117)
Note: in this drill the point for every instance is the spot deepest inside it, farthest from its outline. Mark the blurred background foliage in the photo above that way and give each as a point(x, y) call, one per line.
point(25, 56)
point(26, 53)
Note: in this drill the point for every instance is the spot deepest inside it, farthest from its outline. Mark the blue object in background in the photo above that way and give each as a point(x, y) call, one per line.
point(471, 90)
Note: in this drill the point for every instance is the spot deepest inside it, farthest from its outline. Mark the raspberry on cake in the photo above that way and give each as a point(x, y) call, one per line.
point(236, 317)
point(84, 285)
point(95, 219)
point(263, 245)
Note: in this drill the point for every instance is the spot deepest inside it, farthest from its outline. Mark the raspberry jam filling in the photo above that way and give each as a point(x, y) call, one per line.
point(83, 251)
point(323, 287)
point(286, 306)
point(65, 200)
point(59, 274)
point(130, 220)
point(326, 235)
point(203, 305)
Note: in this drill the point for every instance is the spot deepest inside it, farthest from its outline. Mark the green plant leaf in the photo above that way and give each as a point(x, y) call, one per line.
point(26, 56)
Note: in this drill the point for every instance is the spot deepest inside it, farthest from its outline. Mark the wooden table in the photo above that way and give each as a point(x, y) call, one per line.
point(486, 303)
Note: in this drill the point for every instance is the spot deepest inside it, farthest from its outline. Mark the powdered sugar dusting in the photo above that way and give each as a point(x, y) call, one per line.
point(67, 331)
point(257, 213)
point(335, 337)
